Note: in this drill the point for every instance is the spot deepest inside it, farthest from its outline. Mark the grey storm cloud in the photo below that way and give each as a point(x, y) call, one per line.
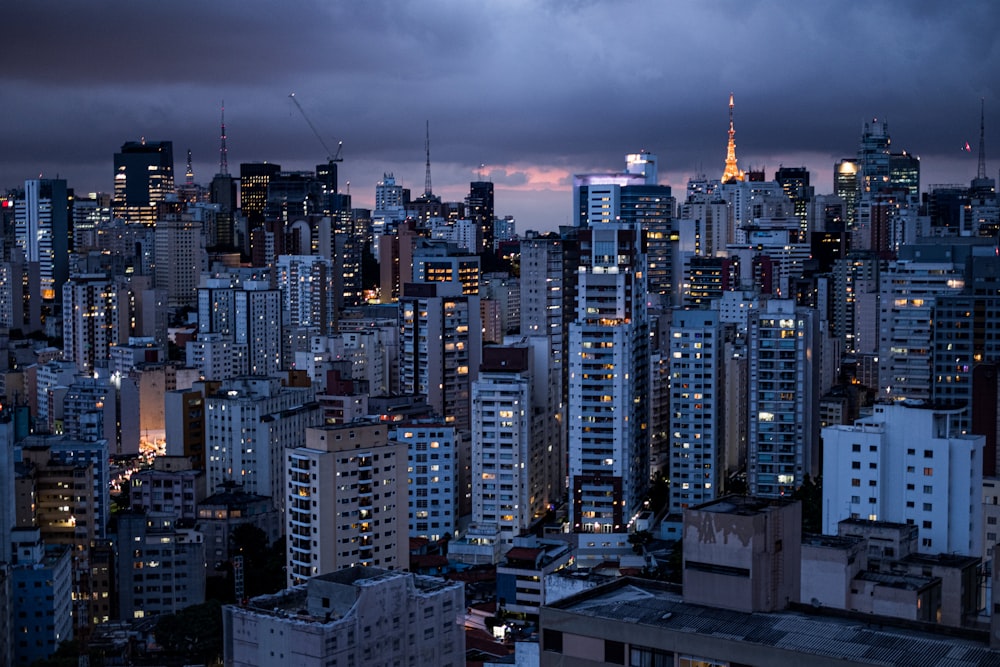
point(558, 85)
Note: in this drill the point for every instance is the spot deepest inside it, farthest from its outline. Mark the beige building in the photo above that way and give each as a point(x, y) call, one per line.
point(346, 501)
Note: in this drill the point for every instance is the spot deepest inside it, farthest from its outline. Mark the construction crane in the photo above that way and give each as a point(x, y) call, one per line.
point(330, 156)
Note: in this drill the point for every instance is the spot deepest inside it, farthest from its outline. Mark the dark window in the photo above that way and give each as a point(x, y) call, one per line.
point(552, 641)
point(614, 652)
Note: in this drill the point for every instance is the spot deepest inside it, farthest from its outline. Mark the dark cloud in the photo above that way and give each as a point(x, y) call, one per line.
point(534, 89)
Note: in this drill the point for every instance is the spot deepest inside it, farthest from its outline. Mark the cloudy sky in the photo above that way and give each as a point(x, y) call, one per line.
point(535, 90)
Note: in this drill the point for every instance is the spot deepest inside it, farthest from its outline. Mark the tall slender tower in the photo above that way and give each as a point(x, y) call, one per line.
point(223, 151)
point(732, 172)
point(427, 150)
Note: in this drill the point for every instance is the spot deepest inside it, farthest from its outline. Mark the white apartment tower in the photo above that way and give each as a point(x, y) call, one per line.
point(697, 408)
point(249, 423)
point(307, 288)
point(608, 358)
point(515, 454)
point(96, 317)
point(179, 247)
point(906, 464)
point(906, 309)
point(783, 431)
point(345, 501)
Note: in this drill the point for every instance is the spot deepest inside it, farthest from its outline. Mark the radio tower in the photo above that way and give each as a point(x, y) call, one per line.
point(427, 149)
point(981, 173)
point(223, 154)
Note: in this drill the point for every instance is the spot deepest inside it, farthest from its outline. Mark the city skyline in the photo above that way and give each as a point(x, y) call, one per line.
point(524, 94)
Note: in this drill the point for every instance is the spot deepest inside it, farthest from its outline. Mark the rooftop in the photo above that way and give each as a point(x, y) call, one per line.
point(646, 603)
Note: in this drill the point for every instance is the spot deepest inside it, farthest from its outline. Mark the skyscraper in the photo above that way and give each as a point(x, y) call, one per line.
point(783, 432)
point(42, 230)
point(254, 179)
point(479, 208)
point(144, 176)
point(608, 357)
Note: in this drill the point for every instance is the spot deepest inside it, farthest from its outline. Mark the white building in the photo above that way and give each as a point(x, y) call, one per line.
point(608, 360)
point(249, 423)
point(515, 460)
point(96, 317)
point(357, 616)
point(345, 501)
point(180, 258)
point(908, 288)
point(307, 289)
point(902, 464)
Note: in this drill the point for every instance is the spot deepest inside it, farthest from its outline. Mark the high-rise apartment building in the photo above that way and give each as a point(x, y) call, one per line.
point(515, 455)
point(249, 423)
point(180, 258)
point(432, 474)
point(479, 209)
point(697, 432)
point(144, 176)
point(608, 359)
point(908, 288)
point(96, 317)
point(783, 432)
point(346, 501)
point(307, 290)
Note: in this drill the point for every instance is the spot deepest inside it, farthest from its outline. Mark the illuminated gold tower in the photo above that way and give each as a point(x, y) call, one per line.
point(732, 172)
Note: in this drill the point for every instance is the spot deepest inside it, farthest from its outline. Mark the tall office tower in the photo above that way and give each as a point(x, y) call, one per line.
point(904, 176)
point(697, 438)
point(249, 423)
point(153, 547)
point(437, 261)
point(222, 191)
point(479, 209)
point(293, 193)
point(516, 467)
point(307, 290)
point(906, 464)
point(89, 213)
point(144, 176)
point(908, 288)
point(873, 158)
point(608, 381)
point(961, 327)
point(96, 316)
point(732, 172)
point(346, 501)
point(783, 432)
point(42, 220)
point(180, 258)
point(20, 291)
point(254, 180)
point(440, 347)
point(854, 303)
point(432, 473)
point(846, 186)
point(795, 182)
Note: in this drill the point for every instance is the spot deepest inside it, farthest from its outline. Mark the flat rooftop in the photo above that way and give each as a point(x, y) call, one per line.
point(861, 640)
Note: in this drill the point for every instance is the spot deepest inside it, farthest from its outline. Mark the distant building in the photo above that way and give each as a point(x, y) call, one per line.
point(144, 176)
point(359, 616)
point(161, 566)
point(40, 597)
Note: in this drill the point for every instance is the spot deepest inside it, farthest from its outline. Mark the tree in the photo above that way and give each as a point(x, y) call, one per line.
point(194, 632)
point(811, 496)
point(639, 539)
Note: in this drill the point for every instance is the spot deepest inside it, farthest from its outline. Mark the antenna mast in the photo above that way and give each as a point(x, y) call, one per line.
point(981, 173)
point(427, 149)
point(223, 152)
